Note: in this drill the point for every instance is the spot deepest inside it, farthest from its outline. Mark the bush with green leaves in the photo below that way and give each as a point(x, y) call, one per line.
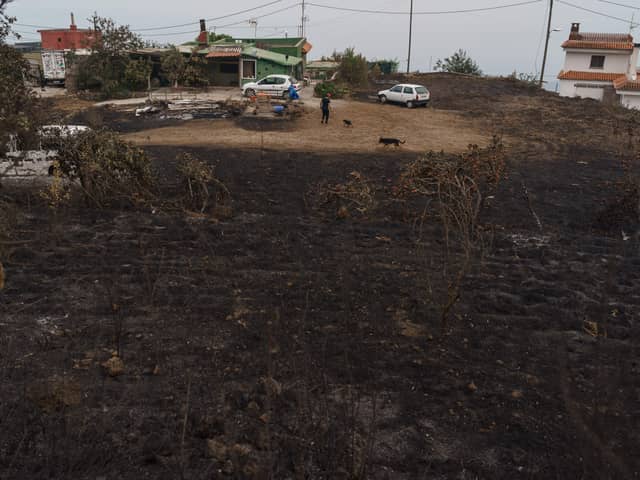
point(459, 62)
point(336, 91)
point(108, 169)
point(353, 69)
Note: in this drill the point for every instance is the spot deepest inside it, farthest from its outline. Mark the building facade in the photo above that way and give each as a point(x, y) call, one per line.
point(601, 66)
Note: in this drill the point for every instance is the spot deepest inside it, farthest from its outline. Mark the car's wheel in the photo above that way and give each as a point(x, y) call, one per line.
point(382, 98)
point(425, 105)
point(285, 95)
point(250, 92)
point(409, 104)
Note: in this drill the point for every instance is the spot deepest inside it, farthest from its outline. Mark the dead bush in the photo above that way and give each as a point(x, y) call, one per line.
point(453, 187)
point(107, 169)
point(201, 188)
point(356, 195)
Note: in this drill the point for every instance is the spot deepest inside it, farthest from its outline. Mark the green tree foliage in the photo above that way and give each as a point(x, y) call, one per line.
point(18, 104)
point(195, 72)
point(137, 74)
point(106, 67)
point(174, 65)
point(386, 67)
point(353, 68)
point(213, 37)
point(459, 62)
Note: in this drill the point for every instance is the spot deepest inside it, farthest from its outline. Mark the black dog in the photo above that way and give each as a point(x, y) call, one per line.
point(347, 123)
point(386, 141)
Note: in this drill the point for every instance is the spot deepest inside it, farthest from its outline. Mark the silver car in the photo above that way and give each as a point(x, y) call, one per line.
point(273, 85)
point(408, 94)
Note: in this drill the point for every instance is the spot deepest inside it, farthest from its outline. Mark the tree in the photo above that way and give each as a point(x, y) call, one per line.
point(353, 69)
point(137, 74)
point(105, 68)
point(5, 21)
point(18, 104)
point(214, 37)
point(459, 62)
point(174, 65)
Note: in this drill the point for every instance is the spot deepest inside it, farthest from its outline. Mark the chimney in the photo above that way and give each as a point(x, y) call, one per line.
point(575, 31)
point(73, 23)
point(203, 38)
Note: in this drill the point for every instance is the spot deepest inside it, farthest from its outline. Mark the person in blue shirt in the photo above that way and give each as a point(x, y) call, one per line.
point(293, 93)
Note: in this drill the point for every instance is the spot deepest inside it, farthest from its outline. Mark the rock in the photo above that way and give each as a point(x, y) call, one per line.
point(217, 449)
point(472, 388)
point(114, 366)
point(516, 394)
point(250, 470)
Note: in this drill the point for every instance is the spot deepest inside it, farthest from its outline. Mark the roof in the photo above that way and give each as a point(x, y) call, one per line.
point(624, 84)
point(224, 51)
point(322, 65)
point(590, 76)
point(279, 58)
point(599, 41)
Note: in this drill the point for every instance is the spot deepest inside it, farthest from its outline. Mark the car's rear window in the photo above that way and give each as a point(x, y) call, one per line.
point(421, 90)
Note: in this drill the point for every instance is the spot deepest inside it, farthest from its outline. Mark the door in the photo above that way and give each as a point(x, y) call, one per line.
point(395, 94)
point(408, 95)
point(279, 86)
point(265, 85)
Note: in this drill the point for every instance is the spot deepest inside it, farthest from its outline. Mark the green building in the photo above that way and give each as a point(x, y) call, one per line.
point(234, 62)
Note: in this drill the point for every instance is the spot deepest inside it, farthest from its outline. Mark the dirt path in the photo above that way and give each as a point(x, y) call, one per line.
point(422, 129)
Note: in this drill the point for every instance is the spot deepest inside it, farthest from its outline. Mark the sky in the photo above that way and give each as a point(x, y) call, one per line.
point(500, 41)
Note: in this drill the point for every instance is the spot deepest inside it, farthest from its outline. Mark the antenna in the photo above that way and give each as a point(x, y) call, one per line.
point(254, 23)
point(302, 30)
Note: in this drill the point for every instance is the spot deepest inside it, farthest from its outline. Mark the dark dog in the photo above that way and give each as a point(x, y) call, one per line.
point(386, 141)
point(347, 123)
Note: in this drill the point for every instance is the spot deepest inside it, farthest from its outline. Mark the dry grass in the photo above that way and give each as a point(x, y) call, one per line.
point(423, 129)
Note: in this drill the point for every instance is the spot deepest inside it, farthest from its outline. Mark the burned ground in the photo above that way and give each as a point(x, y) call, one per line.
point(285, 342)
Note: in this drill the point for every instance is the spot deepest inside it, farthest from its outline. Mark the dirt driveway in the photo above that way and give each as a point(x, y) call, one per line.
point(422, 129)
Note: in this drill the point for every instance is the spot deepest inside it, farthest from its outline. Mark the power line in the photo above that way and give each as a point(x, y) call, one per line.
point(597, 13)
point(441, 12)
point(264, 5)
point(275, 12)
point(620, 4)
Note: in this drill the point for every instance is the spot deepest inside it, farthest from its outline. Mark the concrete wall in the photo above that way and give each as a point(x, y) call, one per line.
point(630, 100)
point(613, 62)
point(573, 88)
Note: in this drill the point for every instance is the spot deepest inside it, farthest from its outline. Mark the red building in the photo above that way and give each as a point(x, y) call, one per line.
point(68, 39)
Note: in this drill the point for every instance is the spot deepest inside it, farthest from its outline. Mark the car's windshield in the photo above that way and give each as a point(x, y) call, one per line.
point(421, 90)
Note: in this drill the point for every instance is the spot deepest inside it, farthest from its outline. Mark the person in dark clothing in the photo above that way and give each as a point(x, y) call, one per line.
point(324, 105)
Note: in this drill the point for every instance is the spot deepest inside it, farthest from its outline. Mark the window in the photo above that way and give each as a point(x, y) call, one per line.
point(597, 61)
point(280, 81)
point(408, 90)
point(397, 88)
point(421, 90)
point(229, 68)
point(249, 69)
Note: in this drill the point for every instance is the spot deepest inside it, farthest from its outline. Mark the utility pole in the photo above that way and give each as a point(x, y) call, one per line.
point(546, 45)
point(410, 34)
point(303, 20)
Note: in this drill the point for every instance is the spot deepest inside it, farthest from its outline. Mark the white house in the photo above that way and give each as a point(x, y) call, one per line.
point(600, 64)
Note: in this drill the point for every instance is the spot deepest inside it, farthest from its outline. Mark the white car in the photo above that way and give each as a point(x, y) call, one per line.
point(273, 85)
point(409, 94)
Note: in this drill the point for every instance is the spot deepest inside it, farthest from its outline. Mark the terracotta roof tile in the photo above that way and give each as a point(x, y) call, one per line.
point(599, 41)
point(626, 85)
point(590, 76)
point(223, 54)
